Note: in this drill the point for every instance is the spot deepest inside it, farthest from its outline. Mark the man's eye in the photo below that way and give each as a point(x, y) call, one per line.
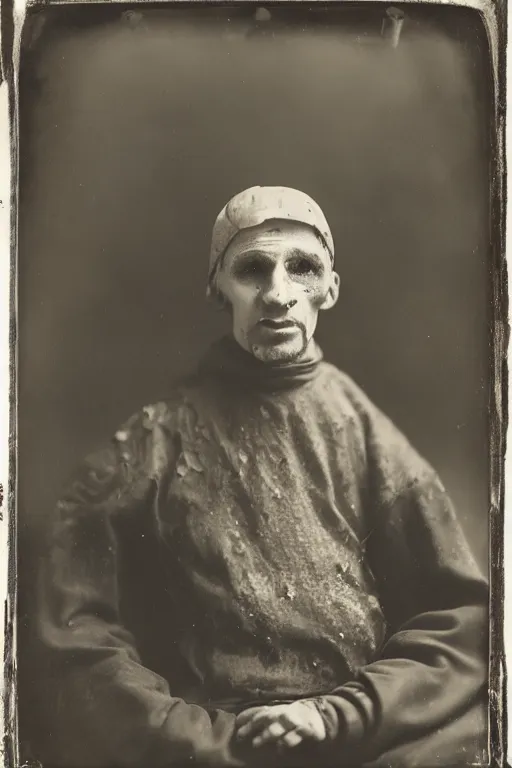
point(251, 268)
point(302, 267)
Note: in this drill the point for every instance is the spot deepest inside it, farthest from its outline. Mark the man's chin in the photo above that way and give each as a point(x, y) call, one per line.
point(277, 353)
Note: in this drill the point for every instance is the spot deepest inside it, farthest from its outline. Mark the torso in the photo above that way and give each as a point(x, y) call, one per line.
point(262, 525)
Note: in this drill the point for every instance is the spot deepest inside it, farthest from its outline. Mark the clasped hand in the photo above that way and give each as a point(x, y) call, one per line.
point(285, 725)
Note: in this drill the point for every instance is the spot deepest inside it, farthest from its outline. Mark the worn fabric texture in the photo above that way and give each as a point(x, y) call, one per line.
point(264, 534)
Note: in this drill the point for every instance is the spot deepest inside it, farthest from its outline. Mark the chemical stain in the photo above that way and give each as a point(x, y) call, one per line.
point(188, 460)
point(192, 461)
point(290, 593)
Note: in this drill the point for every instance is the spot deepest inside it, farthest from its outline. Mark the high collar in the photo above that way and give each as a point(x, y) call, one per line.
point(229, 360)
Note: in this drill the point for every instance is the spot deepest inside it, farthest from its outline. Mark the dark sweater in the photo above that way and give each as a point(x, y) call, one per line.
point(265, 534)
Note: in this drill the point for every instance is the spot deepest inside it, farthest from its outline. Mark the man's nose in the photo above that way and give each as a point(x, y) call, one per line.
point(276, 293)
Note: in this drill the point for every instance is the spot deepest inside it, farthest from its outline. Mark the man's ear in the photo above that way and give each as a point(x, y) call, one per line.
point(332, 294)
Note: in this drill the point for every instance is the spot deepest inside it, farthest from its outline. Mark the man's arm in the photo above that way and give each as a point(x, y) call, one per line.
point(434, 664)
point(103, 706)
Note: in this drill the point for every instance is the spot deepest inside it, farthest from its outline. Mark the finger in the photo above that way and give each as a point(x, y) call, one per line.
point(272, 733)
point(309, 731)
point(291, 739)
point(256, 724)
point(247, 714)
point(299, 720)
point(293, 720)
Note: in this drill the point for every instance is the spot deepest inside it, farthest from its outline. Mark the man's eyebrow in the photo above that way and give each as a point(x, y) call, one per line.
point(251, 253)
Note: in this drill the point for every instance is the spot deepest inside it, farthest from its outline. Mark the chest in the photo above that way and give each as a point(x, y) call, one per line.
point(263, 483)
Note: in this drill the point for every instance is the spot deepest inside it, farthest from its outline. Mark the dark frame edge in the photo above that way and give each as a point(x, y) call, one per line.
point(494, 14)
point(9, 65)
point(498, 405)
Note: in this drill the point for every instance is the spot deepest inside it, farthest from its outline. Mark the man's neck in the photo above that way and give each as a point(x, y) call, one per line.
point(274, 360)
point(231, 361)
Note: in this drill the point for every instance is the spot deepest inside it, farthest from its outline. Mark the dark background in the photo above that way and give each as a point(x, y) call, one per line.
point(135, 129)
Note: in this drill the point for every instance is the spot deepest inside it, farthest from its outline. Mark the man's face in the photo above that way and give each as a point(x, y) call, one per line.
point(276, 277)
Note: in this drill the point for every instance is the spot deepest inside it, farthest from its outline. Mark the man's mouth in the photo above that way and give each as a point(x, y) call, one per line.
point(277, 325)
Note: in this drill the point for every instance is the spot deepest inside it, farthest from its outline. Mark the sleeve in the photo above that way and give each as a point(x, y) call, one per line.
point(434, 663)
point(102, 706)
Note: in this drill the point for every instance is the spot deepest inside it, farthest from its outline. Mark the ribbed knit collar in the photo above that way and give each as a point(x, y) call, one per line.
point(227, 358)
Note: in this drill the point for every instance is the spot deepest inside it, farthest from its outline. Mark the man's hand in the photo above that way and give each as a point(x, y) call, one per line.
point(282, 724)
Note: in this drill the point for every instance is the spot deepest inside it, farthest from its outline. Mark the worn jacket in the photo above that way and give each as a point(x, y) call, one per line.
point(264, 534)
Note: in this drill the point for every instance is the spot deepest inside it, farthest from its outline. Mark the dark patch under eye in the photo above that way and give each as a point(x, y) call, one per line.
point(303, 267)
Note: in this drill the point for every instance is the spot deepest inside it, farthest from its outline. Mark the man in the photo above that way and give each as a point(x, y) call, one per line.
point(261, 571)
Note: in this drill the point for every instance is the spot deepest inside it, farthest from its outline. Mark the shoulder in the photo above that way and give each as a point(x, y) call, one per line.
point(156, 417)
point(119, 470)
point(341, 379)
point(388, 448)
point(348, 393)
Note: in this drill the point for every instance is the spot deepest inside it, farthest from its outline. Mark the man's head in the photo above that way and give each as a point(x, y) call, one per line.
point(271, 264)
